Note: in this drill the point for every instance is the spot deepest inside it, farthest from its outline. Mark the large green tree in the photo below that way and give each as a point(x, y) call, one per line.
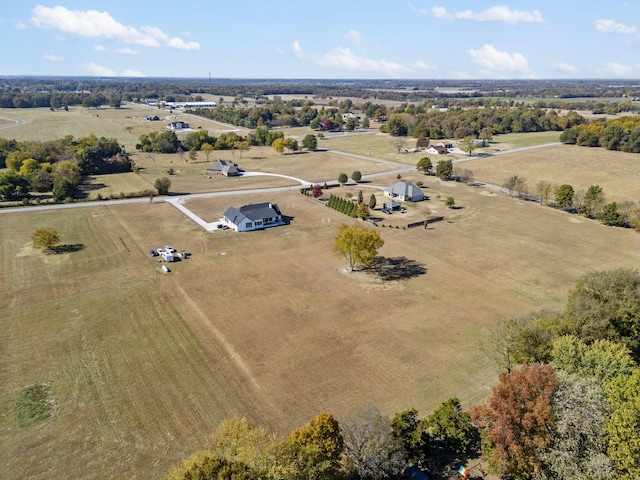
point(450, 424)
point(606, 305)
point(162, 185)
point(411, 433)
point(425, 166)
point(564, 196)
point(310, 142)
point(207, 466)
point(357, 244)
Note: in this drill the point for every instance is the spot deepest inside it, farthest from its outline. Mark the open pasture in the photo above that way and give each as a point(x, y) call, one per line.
point(142, 365)
point(618, 173)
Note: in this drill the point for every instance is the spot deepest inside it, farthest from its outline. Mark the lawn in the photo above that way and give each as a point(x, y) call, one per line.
point(140, 366)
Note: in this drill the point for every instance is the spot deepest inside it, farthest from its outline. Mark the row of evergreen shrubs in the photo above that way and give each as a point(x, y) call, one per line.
point(343, 205)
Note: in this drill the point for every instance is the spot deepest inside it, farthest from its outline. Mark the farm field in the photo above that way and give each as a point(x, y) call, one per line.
point(618, 173)
point(126, 123)
point(142, 366)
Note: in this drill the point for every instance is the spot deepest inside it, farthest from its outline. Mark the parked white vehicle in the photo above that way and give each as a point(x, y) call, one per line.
point(169, 249)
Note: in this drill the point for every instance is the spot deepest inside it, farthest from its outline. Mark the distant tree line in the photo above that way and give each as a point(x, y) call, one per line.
point(618, 134)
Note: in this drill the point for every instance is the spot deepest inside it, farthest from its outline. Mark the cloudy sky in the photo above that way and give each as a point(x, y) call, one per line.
point(323, 39)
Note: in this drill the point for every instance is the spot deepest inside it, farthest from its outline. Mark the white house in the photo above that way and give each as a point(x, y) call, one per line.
point(177, 125)
point(437, 150)
point(254, 216)
point(405, 192)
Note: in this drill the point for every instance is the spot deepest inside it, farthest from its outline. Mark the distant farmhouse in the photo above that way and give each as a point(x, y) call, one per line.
point(223, 167)
point(253, 217)
point(177, 125)
point(405, 192)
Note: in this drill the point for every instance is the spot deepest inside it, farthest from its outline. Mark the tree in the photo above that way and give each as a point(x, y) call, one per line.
point(468, 144)
point(362, 211)
point(356, 176)
point(515, 185)
point(579, 444)
point(444, 168)
point(593, 201)
point(450, 424)
point(360, 197)
point(13, 186)
point(422, 142)
point(449, 202)
point(412, 435)
point(610, 216)
point(564, 196)
point(318, 447)
point(206, 466)
point(310, 142)
point(370, 448)
point(623, 427)
point(63, 189)
point(399, 143)
point(243, 146)
point(162, 185)
point(207, 148)
point(45, 238)
point(372, 201)
point(279, 145)
point(543, 190)
point(606, 305)
point(317, 191)
point(357, 244)
point(342, 178)
point(424, 165)
point(462, 174)
point(517, 420)
point(291, 144)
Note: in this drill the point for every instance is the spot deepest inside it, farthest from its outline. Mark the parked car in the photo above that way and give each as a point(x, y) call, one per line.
point(169, 249)
point(160, 251)
point(153, 253)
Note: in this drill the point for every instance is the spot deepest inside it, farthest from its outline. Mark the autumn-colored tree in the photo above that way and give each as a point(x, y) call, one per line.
point(363, 211)
point(279, 145)
point(357, 244)
point(207, 148)
point(45, 238)
point(422, 142)
point(317, 447)
point(316, 192)
point(206, 466)
point(518, 419)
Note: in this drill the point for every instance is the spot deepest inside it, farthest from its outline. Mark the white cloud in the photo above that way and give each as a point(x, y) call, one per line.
point(496, 62)
point(132, 73)
point(99, 48)
point(353, 36)
point(52, 58)
point(615, 69)
point(92, 23)
point(610, 26)
point(421, 66)
point(128, 51)
point(344, 59)
point(564, 67)
point(501, 14)
point(297, 49)
point(97, 70)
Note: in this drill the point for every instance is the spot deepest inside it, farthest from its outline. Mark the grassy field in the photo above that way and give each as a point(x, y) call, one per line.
point(126, 123)
point(137, 367)
point(618, 173)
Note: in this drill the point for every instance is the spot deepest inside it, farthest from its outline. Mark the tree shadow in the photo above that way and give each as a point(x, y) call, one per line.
point(443, 463)
point(68, 248)
point(397, 268)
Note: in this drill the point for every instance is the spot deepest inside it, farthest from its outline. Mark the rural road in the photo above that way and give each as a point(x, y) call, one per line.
point(15, 123)
point(399, 169)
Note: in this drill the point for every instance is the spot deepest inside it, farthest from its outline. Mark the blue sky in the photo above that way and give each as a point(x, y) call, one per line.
point(323, 39)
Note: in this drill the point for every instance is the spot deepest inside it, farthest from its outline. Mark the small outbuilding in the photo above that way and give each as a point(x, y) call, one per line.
point(223, 167)
point(392, 206)
point(253, 217)
point(405, 192)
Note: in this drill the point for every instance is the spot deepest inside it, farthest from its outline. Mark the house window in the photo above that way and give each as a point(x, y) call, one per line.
point(249, 224)
point(258, 222)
